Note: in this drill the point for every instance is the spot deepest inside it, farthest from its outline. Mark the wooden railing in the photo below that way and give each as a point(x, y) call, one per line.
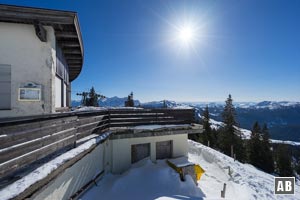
point(26, 140)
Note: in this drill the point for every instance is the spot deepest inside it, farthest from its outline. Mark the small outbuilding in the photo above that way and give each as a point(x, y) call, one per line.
point(41, 53)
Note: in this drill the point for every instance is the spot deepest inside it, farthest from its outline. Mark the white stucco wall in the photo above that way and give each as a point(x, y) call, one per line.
point(31, 61)
point(121, 149)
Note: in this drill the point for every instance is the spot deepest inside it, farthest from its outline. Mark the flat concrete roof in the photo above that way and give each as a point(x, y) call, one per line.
point(160, 130)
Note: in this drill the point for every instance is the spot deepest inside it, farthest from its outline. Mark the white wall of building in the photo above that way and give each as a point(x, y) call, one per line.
point(121, 149)
point(31, 61)
point(111, 156)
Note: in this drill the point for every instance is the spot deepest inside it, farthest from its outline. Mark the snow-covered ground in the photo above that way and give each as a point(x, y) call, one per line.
point(244, 182)
point(147, 180)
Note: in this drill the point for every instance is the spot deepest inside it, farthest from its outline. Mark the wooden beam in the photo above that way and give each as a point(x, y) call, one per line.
point(40, 31)
point(66, 34)
point(72, 51)
point(70, 44)
point(74, 66)
point(73, 57)
point(70, 62)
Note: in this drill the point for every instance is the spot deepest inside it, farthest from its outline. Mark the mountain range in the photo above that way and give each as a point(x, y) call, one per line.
point(282, 117)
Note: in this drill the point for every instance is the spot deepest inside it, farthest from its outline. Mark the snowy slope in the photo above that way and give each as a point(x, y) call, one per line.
point(245, 182)
point(147, 180)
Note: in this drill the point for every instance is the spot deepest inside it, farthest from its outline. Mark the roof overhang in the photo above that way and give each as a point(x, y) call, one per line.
point(65, 24)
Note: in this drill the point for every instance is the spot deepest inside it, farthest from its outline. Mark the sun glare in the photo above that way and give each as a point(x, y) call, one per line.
point(186, 34)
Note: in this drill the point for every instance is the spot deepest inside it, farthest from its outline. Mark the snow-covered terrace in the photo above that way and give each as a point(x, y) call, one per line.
point(147, 180)
point(24, 141)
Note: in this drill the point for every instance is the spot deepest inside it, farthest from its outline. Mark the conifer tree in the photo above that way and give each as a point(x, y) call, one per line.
point(208, 136)
point(93, 98)
point(255, 146)
point(229, 136)
point(90, 98)
point(268, 161)
point(283, 161)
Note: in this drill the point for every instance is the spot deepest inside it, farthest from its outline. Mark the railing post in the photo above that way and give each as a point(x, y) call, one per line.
point(108, 112)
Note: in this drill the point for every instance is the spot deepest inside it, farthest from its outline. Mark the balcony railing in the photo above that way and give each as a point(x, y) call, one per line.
point(25, 140)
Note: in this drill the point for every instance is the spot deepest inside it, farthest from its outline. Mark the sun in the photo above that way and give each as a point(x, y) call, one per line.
point(186, 34)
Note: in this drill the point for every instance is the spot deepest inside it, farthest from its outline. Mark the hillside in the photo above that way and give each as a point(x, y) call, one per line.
point(147, 180)
point(282, 118)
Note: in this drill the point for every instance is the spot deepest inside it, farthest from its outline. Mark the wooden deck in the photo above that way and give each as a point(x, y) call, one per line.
point(25, 140)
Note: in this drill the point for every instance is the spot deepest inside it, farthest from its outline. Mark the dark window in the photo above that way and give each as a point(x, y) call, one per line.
point(5, 87)
point(62, 69)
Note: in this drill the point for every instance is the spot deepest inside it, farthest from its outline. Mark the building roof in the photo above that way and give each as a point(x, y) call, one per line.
point(65, 24)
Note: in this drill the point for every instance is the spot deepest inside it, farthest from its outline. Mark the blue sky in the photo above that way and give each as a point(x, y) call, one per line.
point(250, 49)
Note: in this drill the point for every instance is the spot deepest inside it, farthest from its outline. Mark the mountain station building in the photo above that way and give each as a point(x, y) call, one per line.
point(41, 53)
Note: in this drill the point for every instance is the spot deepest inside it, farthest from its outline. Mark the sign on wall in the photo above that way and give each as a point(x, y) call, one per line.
point(29, 94)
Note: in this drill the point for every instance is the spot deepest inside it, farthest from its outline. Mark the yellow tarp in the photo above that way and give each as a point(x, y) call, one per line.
point(198, 171)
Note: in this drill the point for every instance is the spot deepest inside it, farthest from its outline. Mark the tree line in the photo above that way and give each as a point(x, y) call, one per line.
point(257, 150)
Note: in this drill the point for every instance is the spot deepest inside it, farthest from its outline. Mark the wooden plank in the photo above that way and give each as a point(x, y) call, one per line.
point(24, 125)
point(89, 126)
point(70, 44)
point(97, 130)
point(125, 124)
point(21, 161)
point(86, 120)
point(67, 34)
point(128, 111)
point(20, 137)
point(20, 149)
point(130, 115)
point(143, 119)
point(28, 193)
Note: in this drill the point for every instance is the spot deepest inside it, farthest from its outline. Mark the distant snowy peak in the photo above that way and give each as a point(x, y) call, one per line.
point(276, 104)
point(165, 104)
point(115, 102)
point(159, 104)
point(108, 102)
point(250, 105)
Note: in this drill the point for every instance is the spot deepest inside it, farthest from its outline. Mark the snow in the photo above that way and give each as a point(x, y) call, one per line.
point(293, 143)
point(148, 180)
point(246, 134)
point(89, 108)
point(215, 124)
point(92, 108)
point(181, 162)
point(244, 182)
point(20, 185)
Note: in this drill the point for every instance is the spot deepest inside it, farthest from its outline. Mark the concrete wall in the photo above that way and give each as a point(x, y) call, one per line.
point(75, 177)
point(31, 61)
point(121, 149)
